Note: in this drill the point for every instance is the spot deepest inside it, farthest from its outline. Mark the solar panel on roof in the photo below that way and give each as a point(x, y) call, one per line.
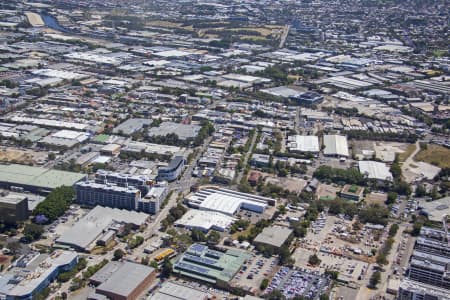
point(198, 248)
point(192, 268)
point(200, 260)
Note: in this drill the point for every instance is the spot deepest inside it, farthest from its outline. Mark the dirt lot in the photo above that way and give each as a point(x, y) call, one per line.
point(435, 155)
point(21, 156)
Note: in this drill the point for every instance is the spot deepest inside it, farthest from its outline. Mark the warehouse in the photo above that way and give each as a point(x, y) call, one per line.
point(96, 223)
point(335, 145)
point(36, 179)
point(303, 143)
point(123, 280)
point(227, 201)
point(435, 210)
point(183, 131)
point(375, 170)
point(174, 291)
point(205, 220)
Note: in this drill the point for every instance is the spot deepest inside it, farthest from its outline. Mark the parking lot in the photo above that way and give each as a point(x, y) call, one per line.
point(254, 271)
point(300, 282)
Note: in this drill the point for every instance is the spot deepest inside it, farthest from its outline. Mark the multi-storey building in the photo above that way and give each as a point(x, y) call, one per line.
point(173, 170)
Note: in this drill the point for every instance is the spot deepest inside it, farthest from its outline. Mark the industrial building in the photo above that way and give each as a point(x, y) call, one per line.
point(13, 208)
point(375, 170)
point(303, 143)
point(36, 179)
point(205, 220)
point(273, 237)
point(34, 272)
point(174, 291)
point(435, 210)
point(123, 280)
point(96, 223)
point(173, 170)
point(335, 145)
point(227, 201)
point(183, 131)
point(91, 194)
point(216, 267)
point(308, 98)
point(430, 269)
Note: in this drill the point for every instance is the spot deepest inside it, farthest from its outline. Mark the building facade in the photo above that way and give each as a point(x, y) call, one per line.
point(173, 170)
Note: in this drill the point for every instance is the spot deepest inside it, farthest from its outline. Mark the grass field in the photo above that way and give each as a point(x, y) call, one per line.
point(409, 150)
point(435, 155)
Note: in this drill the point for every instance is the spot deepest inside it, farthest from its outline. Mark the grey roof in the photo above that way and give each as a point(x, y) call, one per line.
point(184, 131)
point(375, 170)
point(95, 222)
point(335, 145)
point(437, 209)
point(173, 291)
point(274, 236)
point(37, 176)
point(123, 278)
point(130, 126)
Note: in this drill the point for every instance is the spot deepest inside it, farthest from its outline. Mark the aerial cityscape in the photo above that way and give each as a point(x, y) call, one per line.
point(225, 149)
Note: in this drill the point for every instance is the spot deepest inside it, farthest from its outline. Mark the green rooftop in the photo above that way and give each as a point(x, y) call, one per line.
point(209, 265)
point(101, 138)
point(353, 189)
point(22, 175)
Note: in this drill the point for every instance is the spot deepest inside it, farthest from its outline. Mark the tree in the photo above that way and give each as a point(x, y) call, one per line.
point(375, 279)
point(118, 254)
point(214, 237)
point(314, 260)
point(391, 197)
point(324, 297)
point(51, 156)
point(285, 256)
point(393, 230)
point(198, 235)
point(154, 264)
point(420, 190)
point(56, 203)
point(275, 295)
point(167, 268)
point(33, 231)
point(264, 284)
point(14, 247)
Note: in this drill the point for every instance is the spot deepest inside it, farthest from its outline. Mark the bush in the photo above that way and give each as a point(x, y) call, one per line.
point(314, 260)
point(375, 279)
point(264, 284)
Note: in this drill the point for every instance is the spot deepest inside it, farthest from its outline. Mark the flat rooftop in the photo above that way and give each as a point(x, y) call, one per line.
point(37, 176)
point(274, 236)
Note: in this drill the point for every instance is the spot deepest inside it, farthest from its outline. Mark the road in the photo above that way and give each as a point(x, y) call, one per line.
point(247, 156)
point(284, 35)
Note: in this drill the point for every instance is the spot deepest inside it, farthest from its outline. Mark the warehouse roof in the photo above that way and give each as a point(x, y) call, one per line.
point(437, 209)
point(375, 170)
point(174, 291)
point(335, 145)
point(95, 223)
point(121, 278)
point(205, 220)
point(226, 201)
point(37, 176)
point(273, 236)
point(183, 131)
point(303, 143)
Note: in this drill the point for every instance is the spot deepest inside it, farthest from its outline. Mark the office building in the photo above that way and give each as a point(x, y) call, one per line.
point(308, 98)
point(140, 182)
point(430, 269)
point(33, 273)
point(13, 208)
point(91, 194)
point(413, 290)
point(352, 192)
point(173, 170)
point(152, 201)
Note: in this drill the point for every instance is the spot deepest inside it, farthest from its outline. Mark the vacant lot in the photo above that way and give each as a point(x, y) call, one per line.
point(409, 150)
point(435, 155)
point(20, 156)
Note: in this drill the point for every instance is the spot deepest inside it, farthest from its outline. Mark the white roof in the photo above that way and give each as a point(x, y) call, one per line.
point(303, 143)
point(375, 170)
point(335, 145)
point(205, 220)
point(225, 201)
